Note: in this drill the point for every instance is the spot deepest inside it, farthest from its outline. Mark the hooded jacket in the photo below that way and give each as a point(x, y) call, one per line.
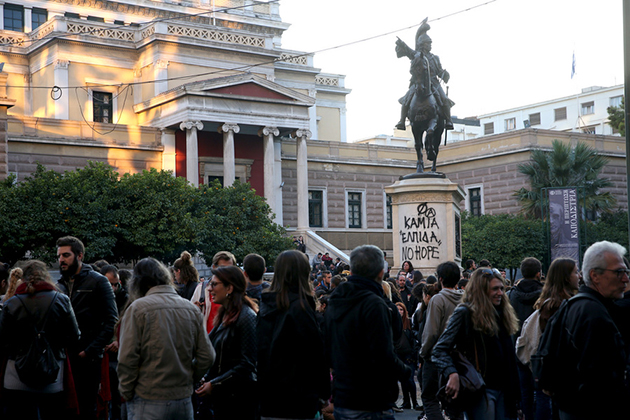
point(522, 297)
point(94, 306)
point(360, 348)
point(292, 372)
point(440, 309)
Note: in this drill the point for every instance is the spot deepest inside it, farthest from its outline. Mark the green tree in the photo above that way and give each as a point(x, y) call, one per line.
point(505, 240)
point(611, 227)
point(565, 166)
point(154, 216)
point(237, 220)
point(617, 117)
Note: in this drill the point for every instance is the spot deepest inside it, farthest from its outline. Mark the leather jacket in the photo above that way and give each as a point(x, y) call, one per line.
point(16, 325)
point(94, 306)
point(236, 351)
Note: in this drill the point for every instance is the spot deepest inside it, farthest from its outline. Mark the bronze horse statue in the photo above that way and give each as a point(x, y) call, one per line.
point(426, 125)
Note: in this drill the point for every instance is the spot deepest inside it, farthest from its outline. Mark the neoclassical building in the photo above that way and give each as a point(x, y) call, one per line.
point(205, 90)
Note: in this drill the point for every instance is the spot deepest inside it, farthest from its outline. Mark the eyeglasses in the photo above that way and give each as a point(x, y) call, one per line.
point(620, 272)
point(115, 285)
point(214, 284)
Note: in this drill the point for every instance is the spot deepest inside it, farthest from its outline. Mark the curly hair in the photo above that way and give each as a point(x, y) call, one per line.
point(185, 266)
point(484, 314)
point(32, 272)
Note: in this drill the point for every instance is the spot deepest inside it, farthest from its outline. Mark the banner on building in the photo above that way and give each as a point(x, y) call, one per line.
point(564, 224)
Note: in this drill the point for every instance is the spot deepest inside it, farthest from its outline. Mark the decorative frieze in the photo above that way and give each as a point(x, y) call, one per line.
point(219, 36)
point(327, 80)
point(294, 59)
point(121, 34)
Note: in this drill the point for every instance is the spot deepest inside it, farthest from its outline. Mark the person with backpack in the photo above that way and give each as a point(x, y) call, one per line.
point(561, 284)
point(480, 329)
point(36, 326)
point(582, 351)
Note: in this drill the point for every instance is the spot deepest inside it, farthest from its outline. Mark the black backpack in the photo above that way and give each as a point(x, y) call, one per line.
point(547, 363)
point(38, 367)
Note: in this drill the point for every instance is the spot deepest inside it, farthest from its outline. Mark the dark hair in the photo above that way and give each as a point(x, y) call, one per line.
point(99, 265)
point(75, 244)
point(417, 276)
point(148, 273)
point(367, 261)
point(530, 267)
point(462, 283)
point(109, 269)
point(254, 266)
point(484, 263)
point(4, 271)
point(417, 291)
point(185, 265)
point(223, 255)
point(410, 266)
point(126, 275)
point(466, 275)
point(431, 290)
point(469, 263)
point(232, 276)
point(449, 272)
point(432, 279)
point(292, 275)
point(337, 280)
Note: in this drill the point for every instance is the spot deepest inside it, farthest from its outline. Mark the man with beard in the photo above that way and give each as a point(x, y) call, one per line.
point(94, 305)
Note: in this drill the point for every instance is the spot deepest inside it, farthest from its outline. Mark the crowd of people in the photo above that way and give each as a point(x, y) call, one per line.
point(322, 339)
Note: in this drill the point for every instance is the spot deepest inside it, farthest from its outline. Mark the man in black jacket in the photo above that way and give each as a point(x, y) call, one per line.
point(359, 341)
point(523, 296)
point(94, 305)
point(591, 380)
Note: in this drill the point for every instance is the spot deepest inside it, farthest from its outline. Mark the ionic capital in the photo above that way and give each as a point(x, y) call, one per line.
point(302, 133)
point(188, 125)
point(227, 127)
point(265, 131)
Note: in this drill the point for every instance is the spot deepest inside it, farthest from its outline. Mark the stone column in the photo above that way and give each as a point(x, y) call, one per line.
point(161, 75)
point(229, 163)
point(169, 153)
point(60, 106)
point(192, 150)
point(268, 134)
point(5, 103)
point(28, 19)
point(302, 178)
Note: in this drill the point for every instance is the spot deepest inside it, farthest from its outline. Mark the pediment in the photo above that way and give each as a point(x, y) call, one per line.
point(248, 87)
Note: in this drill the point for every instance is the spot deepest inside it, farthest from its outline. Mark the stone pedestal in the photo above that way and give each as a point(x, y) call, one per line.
point(426, 222)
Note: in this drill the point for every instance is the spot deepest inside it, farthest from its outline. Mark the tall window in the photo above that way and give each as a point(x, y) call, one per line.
point(560, 114)
point(588, 108)
point(102, 104)
point(488, 128)
point(315, 207)
point(474, 197)
point(510, 124)
point(13, 18)
point(354, 209)
point(388, 211)
point(39, 17)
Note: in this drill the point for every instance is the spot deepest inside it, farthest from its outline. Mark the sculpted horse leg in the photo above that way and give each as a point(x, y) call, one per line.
point(417, 135)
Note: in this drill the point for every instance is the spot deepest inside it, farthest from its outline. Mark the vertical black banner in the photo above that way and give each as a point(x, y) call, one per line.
point(564, 224)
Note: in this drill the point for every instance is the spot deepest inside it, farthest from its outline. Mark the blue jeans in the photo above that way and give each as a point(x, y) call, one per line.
point(490, 407)
point(348, 414)
point(141, 409)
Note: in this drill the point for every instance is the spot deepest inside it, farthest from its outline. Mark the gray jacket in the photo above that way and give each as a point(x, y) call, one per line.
point(440, 309)
point(164, 347)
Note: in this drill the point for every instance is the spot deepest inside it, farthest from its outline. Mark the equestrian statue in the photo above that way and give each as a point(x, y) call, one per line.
point(425, 105)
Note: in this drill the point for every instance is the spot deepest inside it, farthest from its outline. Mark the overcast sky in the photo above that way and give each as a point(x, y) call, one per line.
point(501, 55)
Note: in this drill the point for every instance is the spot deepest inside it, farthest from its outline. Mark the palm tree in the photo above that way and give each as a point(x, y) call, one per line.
point(564, 166)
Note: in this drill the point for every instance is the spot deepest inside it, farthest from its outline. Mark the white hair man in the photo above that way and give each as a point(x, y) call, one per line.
point(593, 368)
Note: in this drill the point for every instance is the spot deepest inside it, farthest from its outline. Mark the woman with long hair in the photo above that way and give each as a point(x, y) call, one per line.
point(229, 386)
point(186, 275)
point(407, 351)
point(36, 305)
point(480, 328)
point(292, 372)
point(407, 267)
point(561, 284)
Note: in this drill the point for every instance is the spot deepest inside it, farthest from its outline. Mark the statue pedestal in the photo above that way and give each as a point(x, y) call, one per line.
point(426, 221)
